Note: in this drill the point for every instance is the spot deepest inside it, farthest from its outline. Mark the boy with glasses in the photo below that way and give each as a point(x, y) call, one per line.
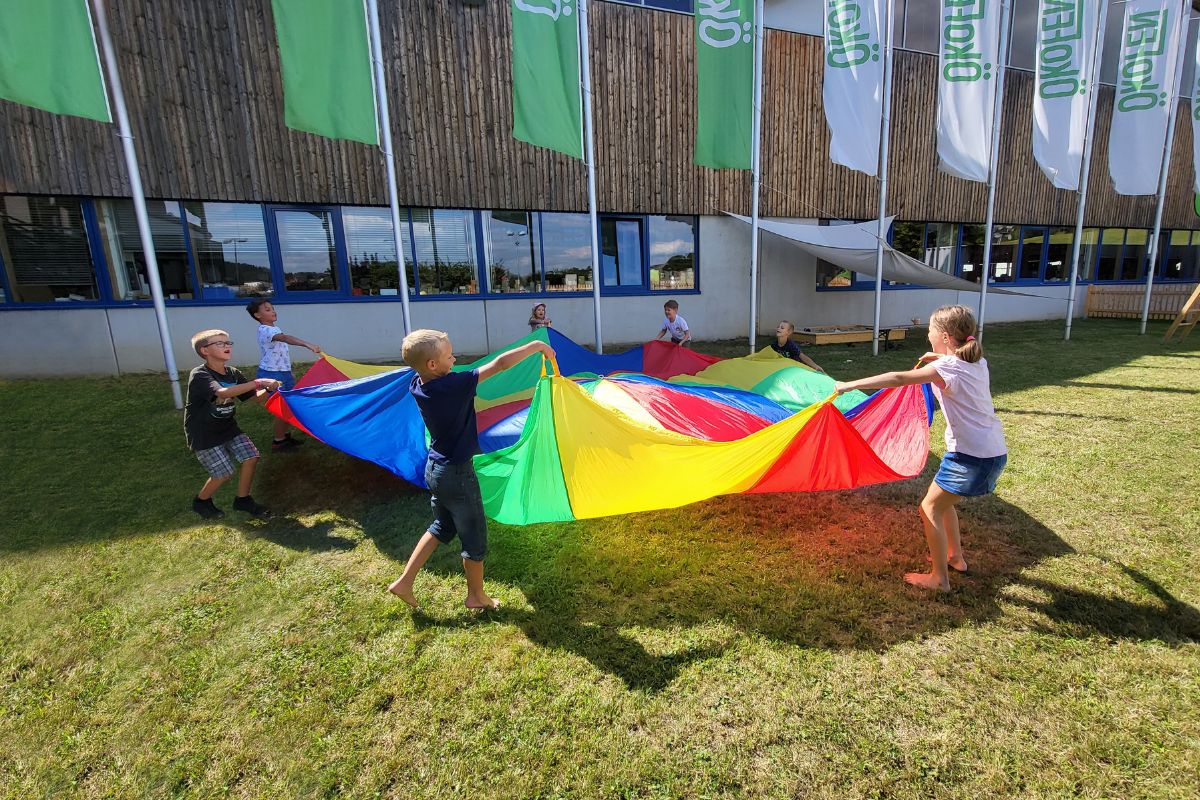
point(210, 427)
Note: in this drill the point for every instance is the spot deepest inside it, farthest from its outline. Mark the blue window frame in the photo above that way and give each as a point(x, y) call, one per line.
point(308, 255)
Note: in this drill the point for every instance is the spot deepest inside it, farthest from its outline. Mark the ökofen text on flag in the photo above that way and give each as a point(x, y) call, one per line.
point(724, 83)
point(969, 64)
point(853, 85)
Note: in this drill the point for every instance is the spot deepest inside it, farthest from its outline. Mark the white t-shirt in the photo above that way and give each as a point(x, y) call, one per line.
point(677, 328)
point(972, 426)
point(275, 355)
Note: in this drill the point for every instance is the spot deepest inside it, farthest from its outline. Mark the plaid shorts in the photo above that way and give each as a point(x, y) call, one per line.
point(219, 460)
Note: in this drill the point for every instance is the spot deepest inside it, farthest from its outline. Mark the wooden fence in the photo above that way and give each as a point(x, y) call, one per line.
point(1125, 302)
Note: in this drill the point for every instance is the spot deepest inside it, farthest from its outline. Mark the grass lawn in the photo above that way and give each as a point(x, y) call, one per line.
point(747, 646)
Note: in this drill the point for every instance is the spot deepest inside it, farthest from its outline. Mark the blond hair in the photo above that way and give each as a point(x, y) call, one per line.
point(200, 339)
point(791, 327)
point(958, 323)
point(421, 346)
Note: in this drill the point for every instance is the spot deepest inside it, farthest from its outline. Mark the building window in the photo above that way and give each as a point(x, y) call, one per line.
point(127, 271)
point(1133, 260)
point(621, 252)
point(1033, 247)
point(513, 265)
point(1089, 248)
point(45, 250)
point(371, 252)
point(229, 245)
point(971, 255)
point(672, 252)
point(909, 238)
point(921, 25)
point(444, 240)
point(1004, 252)
point(1181, 262)
point(1058, 255)
point(567, 252)
point(941, 244)
point(307, 251)
point(1109, 264)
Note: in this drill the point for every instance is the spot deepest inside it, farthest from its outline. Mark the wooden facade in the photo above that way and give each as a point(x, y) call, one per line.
point(202, 81)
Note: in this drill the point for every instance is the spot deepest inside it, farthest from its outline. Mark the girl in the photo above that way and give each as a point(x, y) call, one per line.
point(537, 319)
point(975, 448)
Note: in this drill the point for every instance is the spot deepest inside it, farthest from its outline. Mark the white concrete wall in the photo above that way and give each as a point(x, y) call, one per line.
point(96, 341)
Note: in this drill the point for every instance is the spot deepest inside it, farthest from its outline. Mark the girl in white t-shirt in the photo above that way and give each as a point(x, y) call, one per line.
point(975, 449)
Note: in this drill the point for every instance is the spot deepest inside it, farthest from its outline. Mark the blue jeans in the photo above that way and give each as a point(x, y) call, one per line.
point(457, 507)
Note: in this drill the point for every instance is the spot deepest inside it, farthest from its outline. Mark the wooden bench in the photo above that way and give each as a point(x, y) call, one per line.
point(847, 334)
point(1125, 302)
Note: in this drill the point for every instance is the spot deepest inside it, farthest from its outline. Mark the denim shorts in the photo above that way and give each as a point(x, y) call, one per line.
point(287, 380)
point(969, 476)
point(457, 507)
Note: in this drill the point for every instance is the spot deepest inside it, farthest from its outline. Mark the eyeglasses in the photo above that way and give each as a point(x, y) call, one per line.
point(219, 344)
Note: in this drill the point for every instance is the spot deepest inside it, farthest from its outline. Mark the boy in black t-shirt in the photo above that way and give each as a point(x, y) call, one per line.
point(210, 427)
point(447, 402)
point(783, 344)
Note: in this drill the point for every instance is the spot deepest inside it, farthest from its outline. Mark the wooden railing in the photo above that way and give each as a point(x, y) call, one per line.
point(1126, 301)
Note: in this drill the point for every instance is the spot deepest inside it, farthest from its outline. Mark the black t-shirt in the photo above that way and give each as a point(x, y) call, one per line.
point(207, 419)
point(789, 350)
point(448, 406)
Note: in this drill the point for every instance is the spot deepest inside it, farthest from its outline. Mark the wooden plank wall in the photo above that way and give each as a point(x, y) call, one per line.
point(202, 81)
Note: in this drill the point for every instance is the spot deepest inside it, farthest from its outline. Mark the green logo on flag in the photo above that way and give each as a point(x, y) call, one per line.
point(724, 83)
point(1060, 31)
point(847, 44)
point(962, 54)
point(1145, 43)
point(547, 109)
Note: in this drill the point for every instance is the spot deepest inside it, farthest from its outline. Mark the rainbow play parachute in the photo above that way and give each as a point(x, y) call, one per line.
point(657, 426)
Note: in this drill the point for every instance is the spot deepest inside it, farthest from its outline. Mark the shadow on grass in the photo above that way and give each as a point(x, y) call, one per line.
point(811, 570)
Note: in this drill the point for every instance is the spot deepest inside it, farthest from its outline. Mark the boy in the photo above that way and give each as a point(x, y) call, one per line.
point(275, 363)
point(784, 345)
point(209, 425)
point(675, 325)
point(447, 403)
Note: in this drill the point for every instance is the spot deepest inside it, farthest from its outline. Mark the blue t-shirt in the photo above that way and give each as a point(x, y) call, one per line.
point(789, 350)
point(448, 406)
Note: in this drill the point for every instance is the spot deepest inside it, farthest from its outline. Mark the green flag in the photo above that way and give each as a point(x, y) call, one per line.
point(48, 58)
point(724, 82)
point(326, 66)
point(545, 54)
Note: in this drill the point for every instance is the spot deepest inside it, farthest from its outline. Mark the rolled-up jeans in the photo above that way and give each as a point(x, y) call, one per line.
point(457, 507)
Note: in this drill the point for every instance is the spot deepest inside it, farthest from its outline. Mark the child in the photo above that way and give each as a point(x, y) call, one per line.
point(276, 360)
point(447, 402)
point(975, 449)
point(675, 325)
point(209, 425)
point(784, 345)
point(538, 319)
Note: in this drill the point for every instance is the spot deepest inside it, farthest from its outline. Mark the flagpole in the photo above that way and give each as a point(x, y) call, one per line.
point(885, 137)
point(585, 59)
point(755, 170)
point(1152, 255)
point(997, 114)
point(385, 125)
point(1086, 172)
point(139, 199)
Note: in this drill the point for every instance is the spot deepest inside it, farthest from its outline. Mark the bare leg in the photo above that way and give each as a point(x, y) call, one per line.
point(476, 597)
point(402, 587)
point(210, 487)
point(281, 429)
point(954, 551)
point(933, 508)
point(247, 476)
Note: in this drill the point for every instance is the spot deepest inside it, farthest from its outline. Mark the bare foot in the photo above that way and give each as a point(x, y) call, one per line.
point(404, 592)
point(956, 563)
point(926, 581)
point(483, 603)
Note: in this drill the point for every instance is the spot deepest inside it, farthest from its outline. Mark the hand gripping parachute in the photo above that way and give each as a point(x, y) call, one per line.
point(657, 426)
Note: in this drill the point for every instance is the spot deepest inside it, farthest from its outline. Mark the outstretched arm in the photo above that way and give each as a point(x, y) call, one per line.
point(297, 341)
point(512, 358)
point(808, 362)
point(889, 380)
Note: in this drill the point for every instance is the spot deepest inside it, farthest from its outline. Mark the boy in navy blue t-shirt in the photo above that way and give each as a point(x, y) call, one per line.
point(783, 344)
point(447, 402)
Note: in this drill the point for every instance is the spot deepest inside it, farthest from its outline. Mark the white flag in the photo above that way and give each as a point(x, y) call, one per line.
point(1066, 52)
point(968, 65)
point(1196, 119)
point(853, 88)
point(1145, 85)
